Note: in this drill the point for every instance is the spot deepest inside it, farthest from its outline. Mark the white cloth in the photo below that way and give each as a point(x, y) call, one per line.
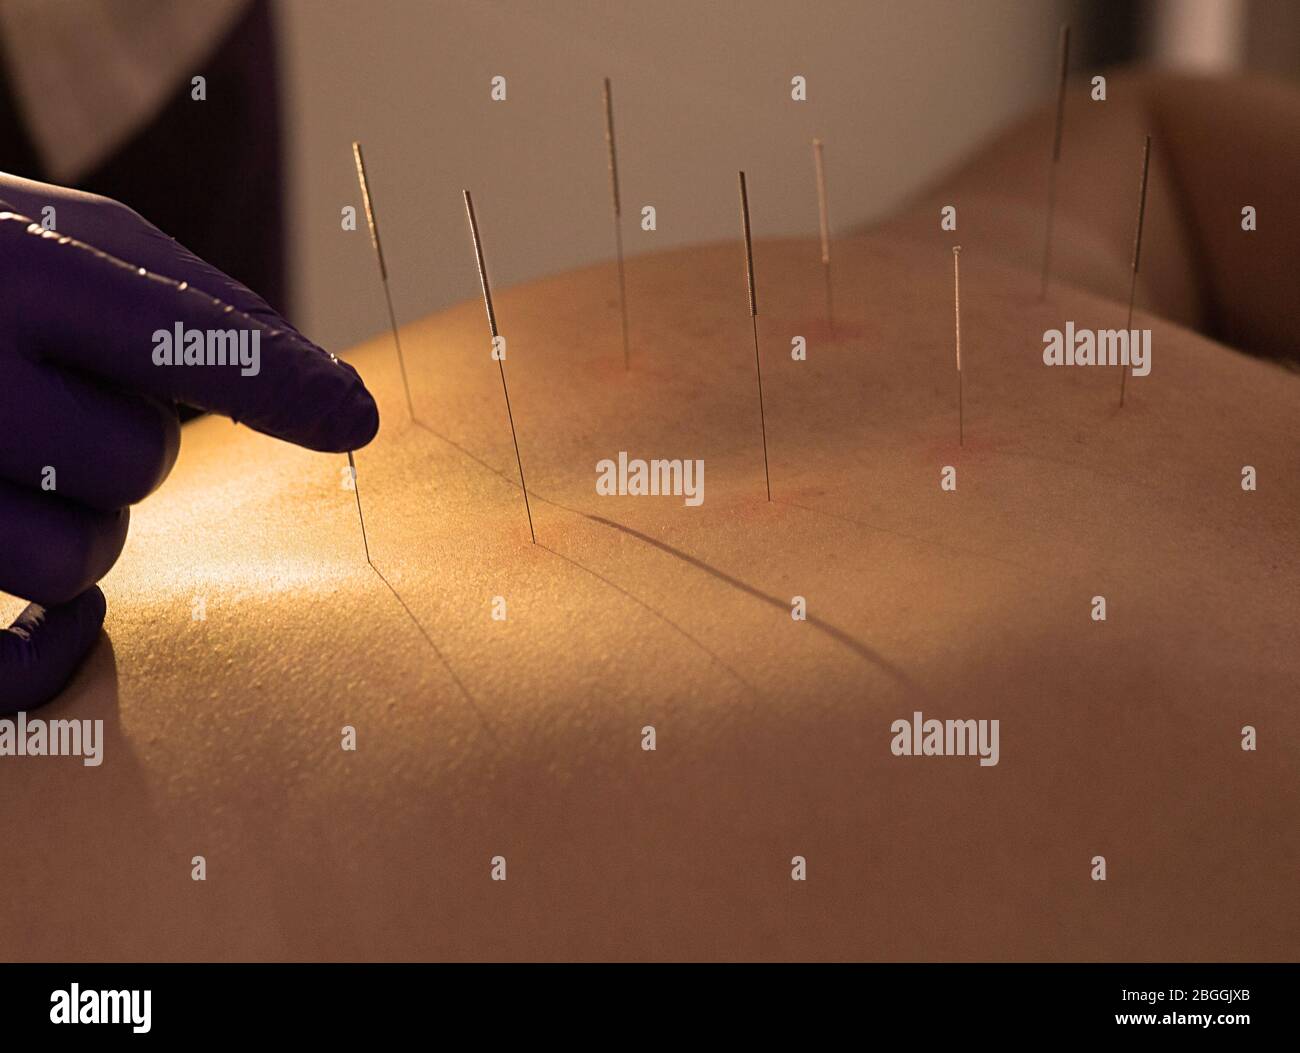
point(89, 73)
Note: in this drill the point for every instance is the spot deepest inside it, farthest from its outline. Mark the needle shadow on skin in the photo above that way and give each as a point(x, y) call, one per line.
point(657, 613)
point(487, 726)
point(834, 632)
point(596, 574)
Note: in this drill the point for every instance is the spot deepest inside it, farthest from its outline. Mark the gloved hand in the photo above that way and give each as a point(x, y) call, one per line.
point(80, 394)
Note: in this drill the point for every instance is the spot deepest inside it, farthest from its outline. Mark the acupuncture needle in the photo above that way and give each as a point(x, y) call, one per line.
point(1064, 61)
point(373, 223)
point(618, 217)
point(823, 223)
point(500, 357)
point(753, 316)
point(1137, 254)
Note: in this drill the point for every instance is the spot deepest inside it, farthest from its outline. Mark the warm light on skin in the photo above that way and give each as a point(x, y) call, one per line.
point(222, 552)
point(257, 579)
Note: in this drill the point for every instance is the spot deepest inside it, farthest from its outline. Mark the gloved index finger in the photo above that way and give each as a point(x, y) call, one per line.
point(74, 305)
point(122, 232)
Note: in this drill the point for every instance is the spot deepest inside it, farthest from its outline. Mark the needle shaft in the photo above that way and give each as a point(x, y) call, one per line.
point(618, 218)
point(352, 466)
point(1064, 61)
point(753, 314)
point(1137, 256)
point(492, 326)
point(373, 224)
point(824, 226)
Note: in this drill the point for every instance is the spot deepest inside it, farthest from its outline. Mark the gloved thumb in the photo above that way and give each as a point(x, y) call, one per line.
point(43, 648)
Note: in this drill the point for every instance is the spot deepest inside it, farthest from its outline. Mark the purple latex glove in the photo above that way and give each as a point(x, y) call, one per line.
point(80, 393)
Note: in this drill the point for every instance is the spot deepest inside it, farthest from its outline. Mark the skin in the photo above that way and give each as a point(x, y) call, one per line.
point(523, 738)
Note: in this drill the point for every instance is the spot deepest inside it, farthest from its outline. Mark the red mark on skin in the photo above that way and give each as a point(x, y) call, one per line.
point(609, 369)
point(815, 331)
point(975, 446)
point(759, 508)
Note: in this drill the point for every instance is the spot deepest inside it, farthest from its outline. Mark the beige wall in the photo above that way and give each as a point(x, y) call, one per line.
point(897, 89)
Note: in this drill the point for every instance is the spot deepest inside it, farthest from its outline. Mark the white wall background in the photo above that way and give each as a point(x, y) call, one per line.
point(898, 89)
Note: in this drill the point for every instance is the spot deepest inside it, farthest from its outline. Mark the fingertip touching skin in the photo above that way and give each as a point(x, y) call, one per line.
point(87, 402)
point(297, 391)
